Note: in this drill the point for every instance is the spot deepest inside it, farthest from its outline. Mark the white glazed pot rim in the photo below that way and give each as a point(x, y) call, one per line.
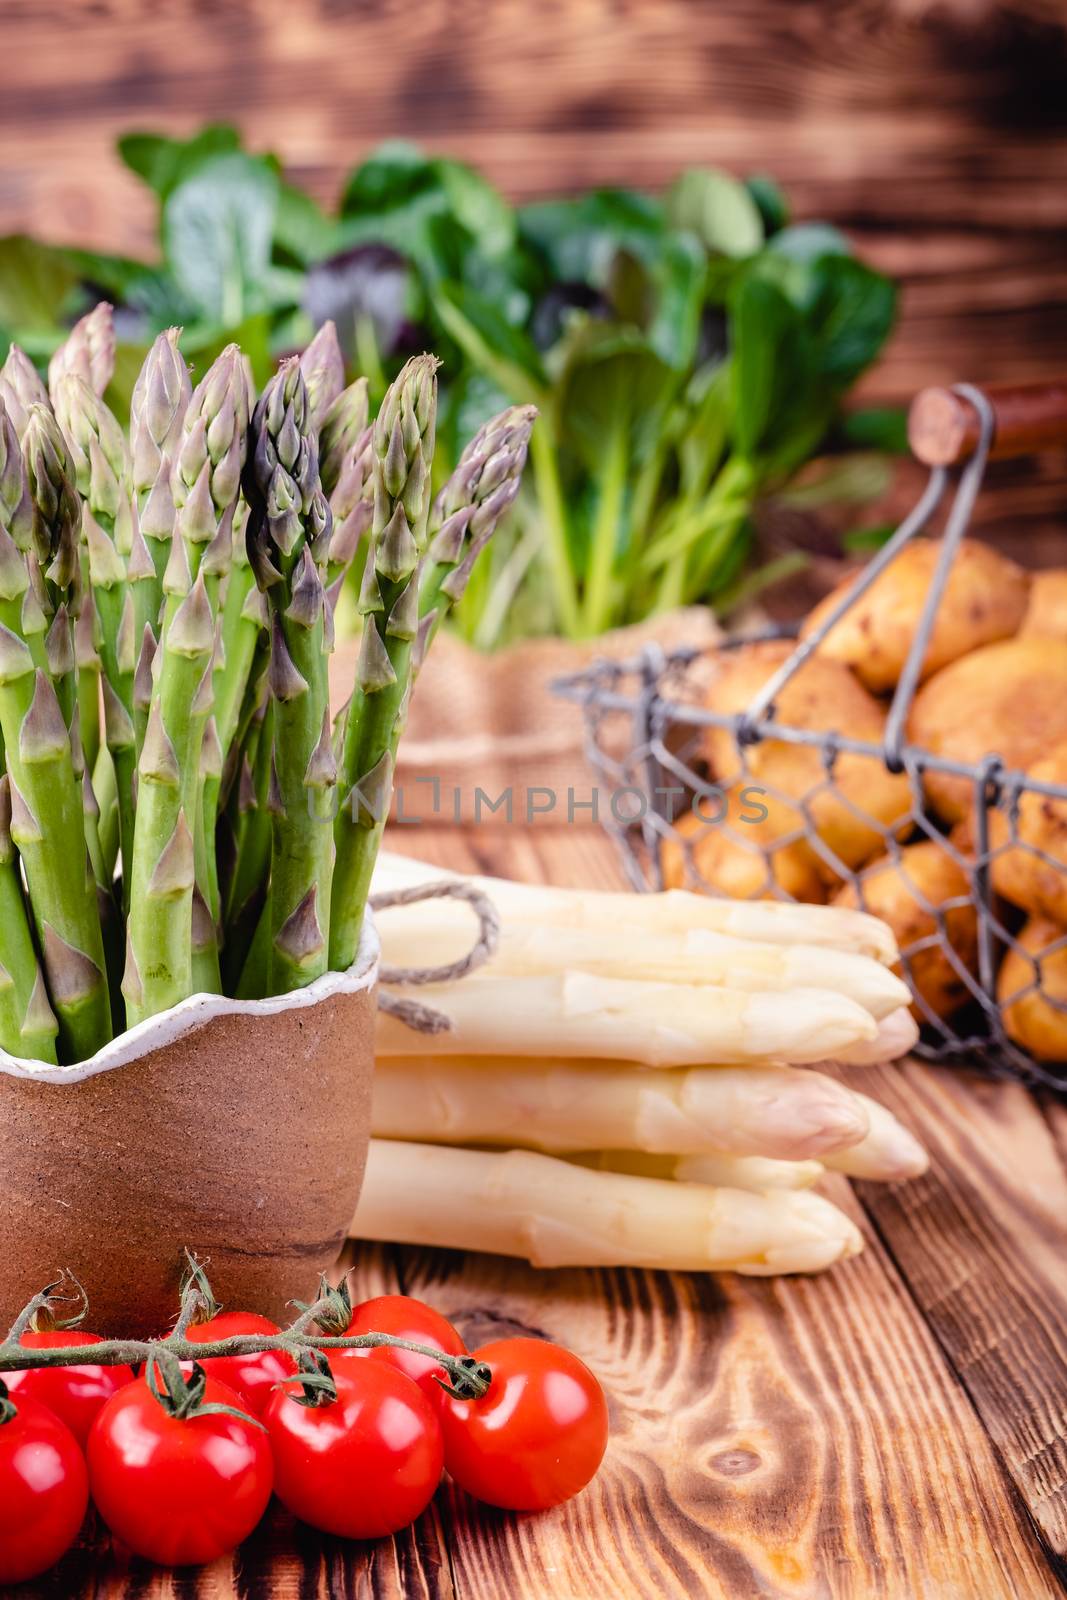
point(189, 1015)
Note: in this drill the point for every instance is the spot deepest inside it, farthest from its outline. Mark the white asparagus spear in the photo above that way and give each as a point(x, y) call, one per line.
point(896, 1035)
point(676, 910)
point(556, 1214)
point(431, 934)
point(560, 1105)
point(724, 1172)
point(658, 1024)
point(889, 1153)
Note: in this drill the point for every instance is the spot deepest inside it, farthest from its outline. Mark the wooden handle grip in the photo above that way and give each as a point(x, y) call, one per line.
point(944, 427)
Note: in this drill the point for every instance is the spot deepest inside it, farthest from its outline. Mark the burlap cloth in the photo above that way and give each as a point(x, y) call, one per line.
point(485, 725)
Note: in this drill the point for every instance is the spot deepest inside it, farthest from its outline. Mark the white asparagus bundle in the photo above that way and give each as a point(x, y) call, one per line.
point(557, 1214)
point(559, 1105)
point(658, 1024)
point(430, 934)
point(675, 911)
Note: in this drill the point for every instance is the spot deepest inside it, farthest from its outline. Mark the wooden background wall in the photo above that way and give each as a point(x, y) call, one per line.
point(935, 133)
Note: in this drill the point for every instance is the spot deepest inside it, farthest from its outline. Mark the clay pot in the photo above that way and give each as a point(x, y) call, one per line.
point(235, 1128)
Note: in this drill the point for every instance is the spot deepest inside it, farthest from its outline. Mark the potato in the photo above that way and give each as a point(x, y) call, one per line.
point(984, 600)
point(1032, 1021)
point(823, 697)
point(1046, 613)
point(926, 876)
point(1010, 698)
point(740, 857)
point(1020, 876)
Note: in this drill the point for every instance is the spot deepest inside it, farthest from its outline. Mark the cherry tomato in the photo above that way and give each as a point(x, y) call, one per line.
point(178, 1490)
point(44, 1491)
point(399, 1314)
point(250, 1377)
point(536, 1437)
point(363, 1465)
point(75, 1394)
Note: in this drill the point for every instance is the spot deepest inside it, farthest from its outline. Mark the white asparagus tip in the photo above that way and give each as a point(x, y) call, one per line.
point(897, 1034)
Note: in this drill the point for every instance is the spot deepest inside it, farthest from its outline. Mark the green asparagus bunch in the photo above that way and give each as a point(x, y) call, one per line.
point(178, 812)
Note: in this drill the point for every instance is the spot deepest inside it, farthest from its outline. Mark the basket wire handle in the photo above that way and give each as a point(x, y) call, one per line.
point(959, 519)
point(763, 704)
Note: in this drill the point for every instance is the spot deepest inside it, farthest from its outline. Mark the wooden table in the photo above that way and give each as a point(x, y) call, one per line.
point(894, 1428)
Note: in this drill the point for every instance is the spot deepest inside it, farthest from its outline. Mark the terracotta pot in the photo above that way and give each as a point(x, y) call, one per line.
point(236, 1128)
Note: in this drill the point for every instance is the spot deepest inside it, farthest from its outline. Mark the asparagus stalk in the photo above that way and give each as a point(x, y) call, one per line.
point(403, 451)
point(28, 1026)
point(160, 399)
point(657, 1024)
point(88, 351)
point(739, 1172)
point(40, 512)
point(288, 536)
point(466, 513)
point(322, 367)
point(769, 921)
point(20, 388)
point(102, 470)
point(897, 1034)
point(436, 932)
point(888, 1153)
point(558, 1106)
point(346, 453)
point(159, 956)
point(557, 1214)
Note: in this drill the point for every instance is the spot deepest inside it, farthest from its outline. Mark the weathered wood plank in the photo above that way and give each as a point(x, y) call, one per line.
point(980, 1242)
point(797, 1438)
point(938, 137)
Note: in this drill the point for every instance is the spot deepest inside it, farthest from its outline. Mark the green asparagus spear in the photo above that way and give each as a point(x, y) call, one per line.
point(466, 513)
point(28, 1026)
point(40, 510)
point(323, 369)
point(102, 471)
point(159, 957)
point(20, 388)
point(403, 445)
point(288, 536)
point(347, 454)
point(88, 351)
point(157, 410)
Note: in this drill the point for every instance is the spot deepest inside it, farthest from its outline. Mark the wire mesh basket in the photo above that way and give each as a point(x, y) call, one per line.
point(756, 805)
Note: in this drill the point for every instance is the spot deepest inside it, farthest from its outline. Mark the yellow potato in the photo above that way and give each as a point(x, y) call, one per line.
point(1020, 876)
point(1010, 698)
point(1046, 613)
point(1032, 1020)
point(824, 697)
point(926, 876)
point(740, 857)
point(984, 600)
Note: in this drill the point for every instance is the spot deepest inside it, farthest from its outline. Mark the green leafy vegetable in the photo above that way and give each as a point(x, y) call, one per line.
point(688, 354)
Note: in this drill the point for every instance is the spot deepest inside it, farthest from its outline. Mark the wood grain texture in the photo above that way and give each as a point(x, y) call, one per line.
point(891, 1430)
point(980, 1241)
point(937, 134)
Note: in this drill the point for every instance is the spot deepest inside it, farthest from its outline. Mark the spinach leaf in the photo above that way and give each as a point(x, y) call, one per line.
point(218, 228)
point(163, 162)
point(718, 209)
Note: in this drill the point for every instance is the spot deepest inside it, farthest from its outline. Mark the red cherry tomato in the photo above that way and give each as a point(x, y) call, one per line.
point(44, 1491)
point(399, 1314)
point(363, 1465)
point(178, 1490)
point(537, 1436)
point(75, 1394)
point(250, 1377)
